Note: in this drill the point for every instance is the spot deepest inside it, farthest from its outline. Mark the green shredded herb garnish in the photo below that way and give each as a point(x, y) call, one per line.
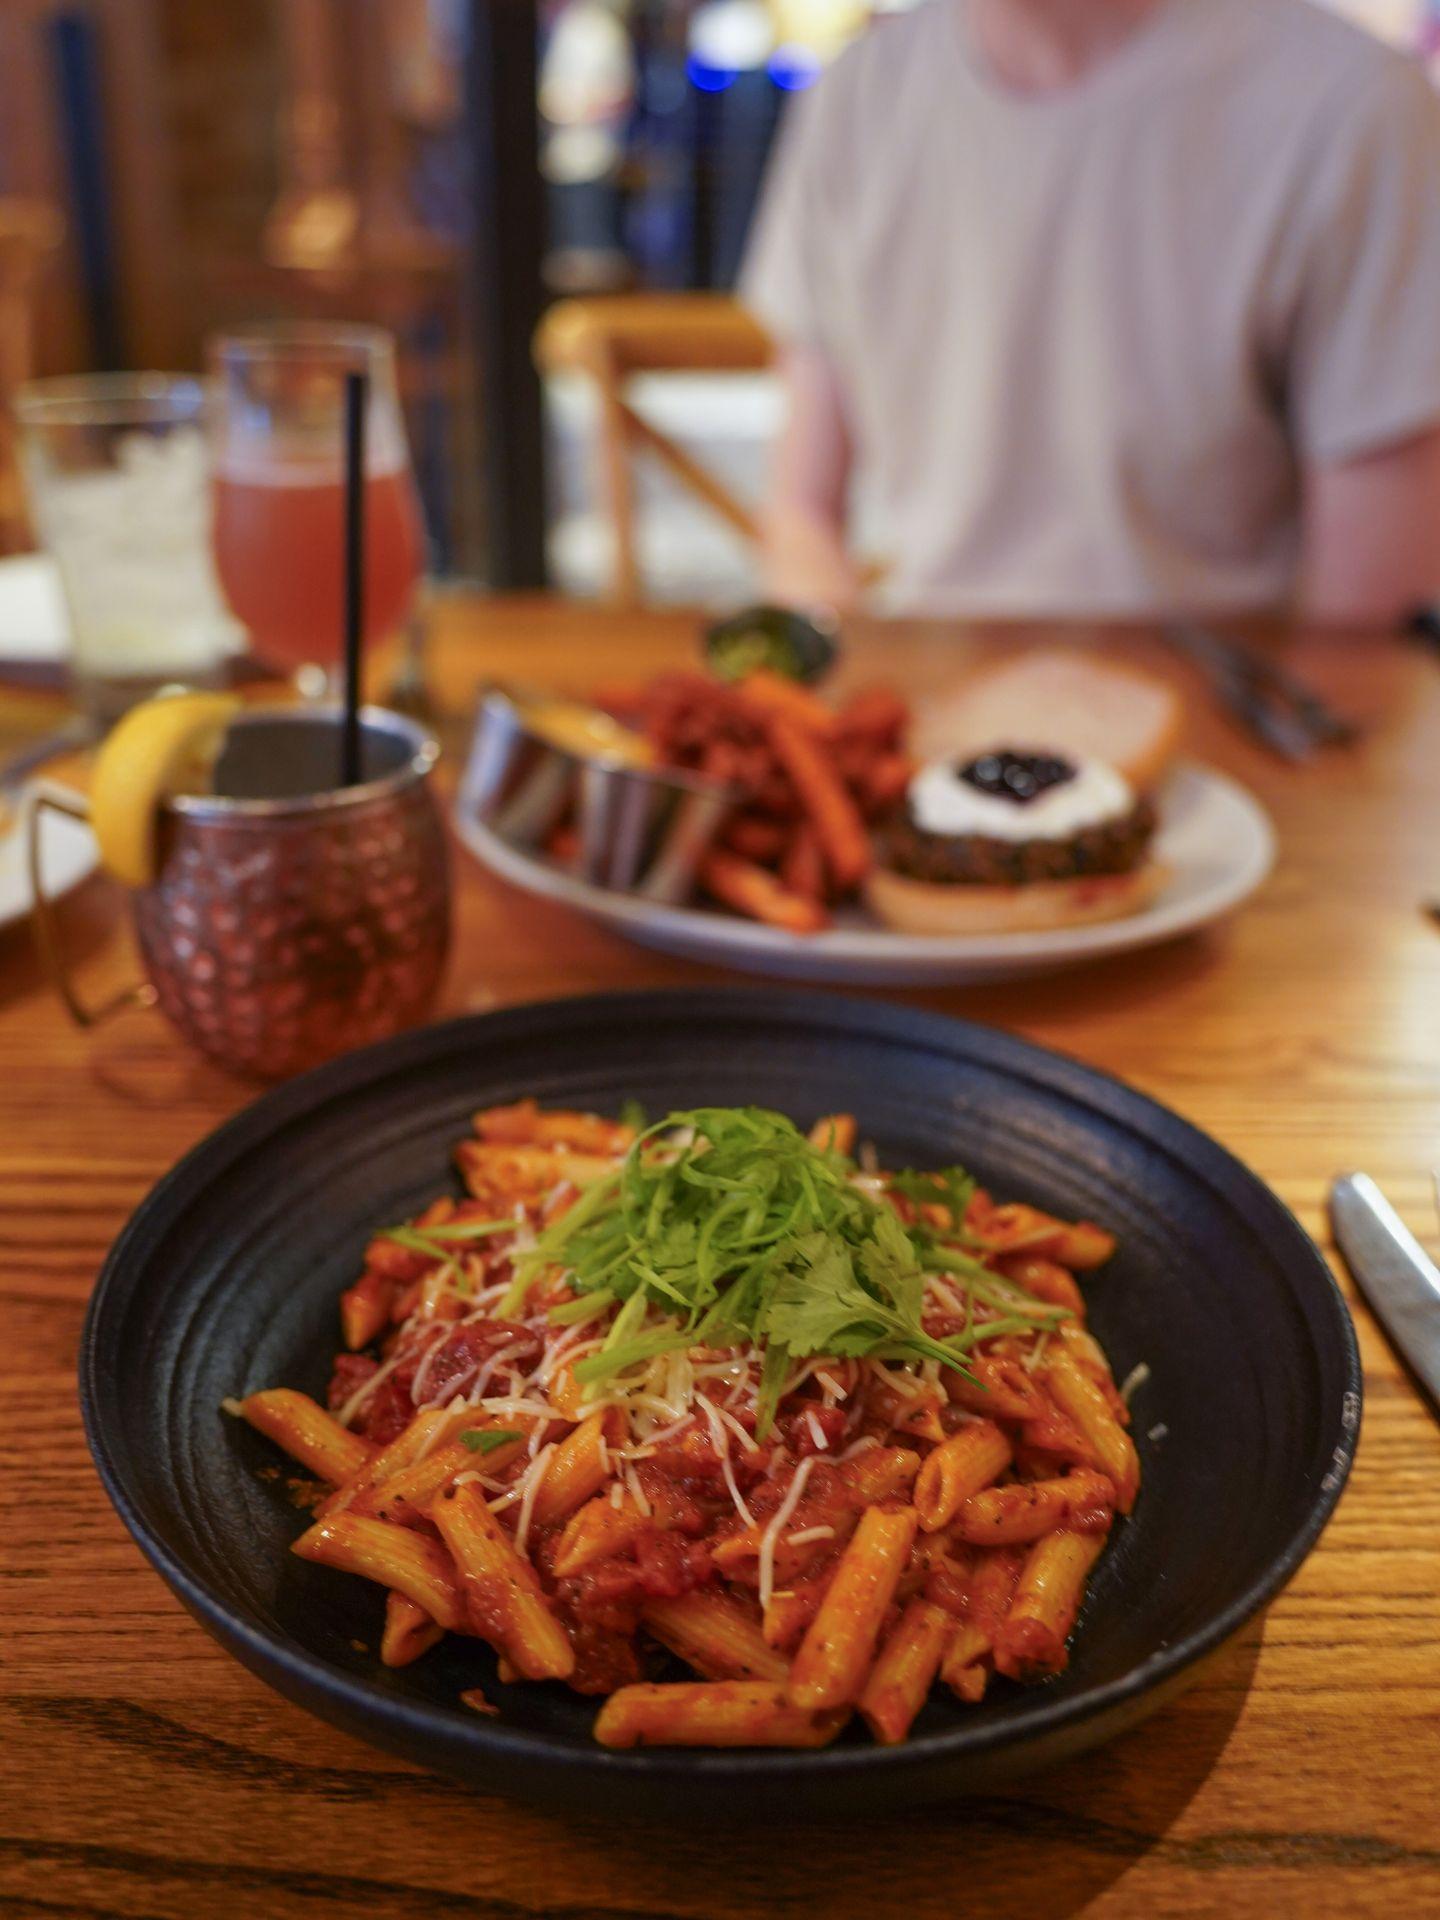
point(725, 1226)
point(438, 1240)
point(948, 1187)
point(486, 1439)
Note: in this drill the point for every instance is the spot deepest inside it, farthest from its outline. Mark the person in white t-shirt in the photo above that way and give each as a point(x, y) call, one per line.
point(1114, 307)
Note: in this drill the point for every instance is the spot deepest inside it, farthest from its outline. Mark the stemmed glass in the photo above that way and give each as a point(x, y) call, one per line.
point(279, 489)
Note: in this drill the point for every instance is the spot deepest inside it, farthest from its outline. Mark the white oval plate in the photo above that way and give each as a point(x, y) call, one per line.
point(68, 855)
point(1214, 837)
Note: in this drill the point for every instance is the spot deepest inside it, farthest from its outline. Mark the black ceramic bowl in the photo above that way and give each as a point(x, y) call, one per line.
point(227, 1278)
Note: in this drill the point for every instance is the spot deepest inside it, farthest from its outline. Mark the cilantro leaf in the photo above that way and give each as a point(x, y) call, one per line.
point(731, 1228)
point(891, 1264)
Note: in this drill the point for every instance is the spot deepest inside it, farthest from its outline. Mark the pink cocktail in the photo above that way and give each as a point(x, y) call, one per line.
point(279, 489)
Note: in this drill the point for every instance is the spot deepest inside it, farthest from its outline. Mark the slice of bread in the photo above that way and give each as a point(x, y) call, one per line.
point(1060, 700)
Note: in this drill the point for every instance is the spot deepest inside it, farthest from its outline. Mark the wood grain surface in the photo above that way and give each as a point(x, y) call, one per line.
point(142, 1773)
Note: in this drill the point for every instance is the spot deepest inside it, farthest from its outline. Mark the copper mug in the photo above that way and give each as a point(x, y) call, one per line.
point(290, 918)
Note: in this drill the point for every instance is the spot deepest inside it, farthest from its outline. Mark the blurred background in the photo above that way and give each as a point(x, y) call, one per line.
point(447, 170)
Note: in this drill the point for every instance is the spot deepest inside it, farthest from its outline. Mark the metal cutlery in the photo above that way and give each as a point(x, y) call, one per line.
point(1393, 1271)
point(1267, 699)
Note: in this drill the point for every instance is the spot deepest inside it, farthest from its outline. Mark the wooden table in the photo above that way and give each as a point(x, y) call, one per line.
point(145, 1774)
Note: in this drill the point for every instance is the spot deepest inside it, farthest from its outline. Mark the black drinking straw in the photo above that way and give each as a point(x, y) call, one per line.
point(357, 386)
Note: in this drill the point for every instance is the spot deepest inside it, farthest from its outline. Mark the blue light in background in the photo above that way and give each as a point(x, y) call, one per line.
point(793, 69)
point(709, 79)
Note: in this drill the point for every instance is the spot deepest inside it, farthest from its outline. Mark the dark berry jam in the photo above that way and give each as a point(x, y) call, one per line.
point(1020, 777)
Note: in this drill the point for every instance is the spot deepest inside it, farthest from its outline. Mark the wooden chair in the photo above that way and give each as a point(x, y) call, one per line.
point(614, 337)
point(30, 232)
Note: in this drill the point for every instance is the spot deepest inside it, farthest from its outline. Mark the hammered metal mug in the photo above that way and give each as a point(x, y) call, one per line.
point(290, 919)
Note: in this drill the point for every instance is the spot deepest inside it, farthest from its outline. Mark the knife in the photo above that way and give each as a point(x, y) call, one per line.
point(1393, 1271)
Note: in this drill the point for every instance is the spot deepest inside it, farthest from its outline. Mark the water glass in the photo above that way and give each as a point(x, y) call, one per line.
point(117, 467)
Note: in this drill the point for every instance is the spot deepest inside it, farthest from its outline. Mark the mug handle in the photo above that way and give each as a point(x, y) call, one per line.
point(47, 933)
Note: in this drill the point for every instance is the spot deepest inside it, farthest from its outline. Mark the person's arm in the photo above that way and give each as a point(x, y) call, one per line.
point(806, 562)
point(1371, 534)
point(1360, 261)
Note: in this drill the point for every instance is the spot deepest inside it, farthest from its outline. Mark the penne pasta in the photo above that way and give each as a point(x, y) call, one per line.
point(989, 1590)
point(830, 1667)
point(811, 1532)
point(307, 1433)
point(579, 1467)
point(1030, 1640)
point(525, 1123)
point(902, 1674)
point(834, 1133)
point(1001, 1390)
point(715, 1636)
point(428, 1429)
point(503, 1598)
point(879, 1473)
point(738, 1554)
point(409, 1631)
point(1083, 1402)
point(365, 1309)
point(791, 1609)
point(958, 1468)
point(596, 1531)
point(1018, 1228)
point(1004, 1516)
point(1046, 1279)
point(566, 1395)
point(724, 1713)
point(405, 1495)
point(394, 1556)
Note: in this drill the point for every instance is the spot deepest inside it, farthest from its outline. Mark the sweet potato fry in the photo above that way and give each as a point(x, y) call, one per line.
point(874, 713)
point(722, 760)
point(773, 693)
point(753, 891)
point(802, 866)
point(885, 780)
point(832, 813)
point(754, 838)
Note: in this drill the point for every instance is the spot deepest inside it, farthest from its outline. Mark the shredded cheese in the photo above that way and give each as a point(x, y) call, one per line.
point(637, 1492)
point(722, 1448)
point(362, 1393)
point(1133, 1381)
point(778, 1521)
point(562, 1190)
point(746, 1440)
point(1031, 1360)
point(533, 1476)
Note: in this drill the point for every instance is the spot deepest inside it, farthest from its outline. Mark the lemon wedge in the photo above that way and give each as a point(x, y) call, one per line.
point(164, 746)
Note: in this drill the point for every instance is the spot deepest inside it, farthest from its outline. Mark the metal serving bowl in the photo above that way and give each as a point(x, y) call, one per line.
point(638, 830)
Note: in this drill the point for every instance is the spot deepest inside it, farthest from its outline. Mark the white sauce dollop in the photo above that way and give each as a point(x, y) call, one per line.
point(941, 802)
